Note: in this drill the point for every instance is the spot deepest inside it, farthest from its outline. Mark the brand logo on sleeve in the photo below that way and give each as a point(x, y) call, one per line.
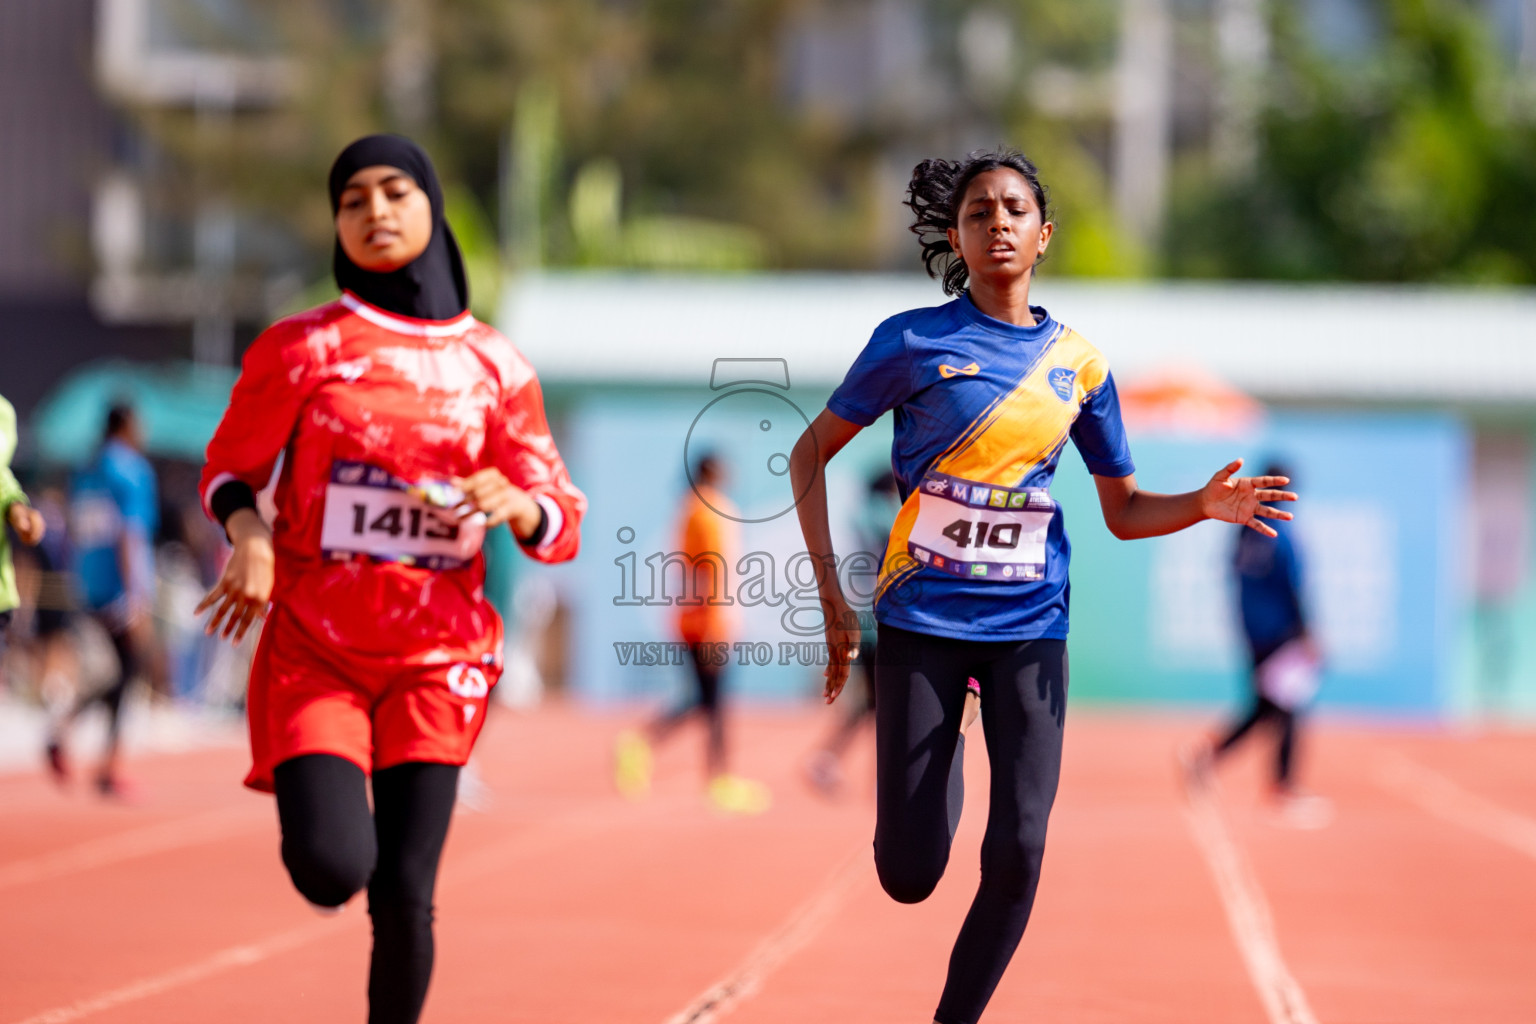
point(946, 371)
point(1061, 380)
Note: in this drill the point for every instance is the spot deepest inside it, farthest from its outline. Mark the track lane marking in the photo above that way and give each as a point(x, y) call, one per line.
point(544, 838)
point(1451, 802)
point(144, 841)
point(218, 963)
point(1248, 914)
point(807, 921)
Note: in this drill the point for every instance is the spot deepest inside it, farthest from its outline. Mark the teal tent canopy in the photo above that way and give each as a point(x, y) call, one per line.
point(178, 404)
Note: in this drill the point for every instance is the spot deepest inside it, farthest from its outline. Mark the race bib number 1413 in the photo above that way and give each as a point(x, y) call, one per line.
point(371, 512)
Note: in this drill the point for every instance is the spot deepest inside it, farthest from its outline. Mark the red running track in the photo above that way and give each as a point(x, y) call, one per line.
point(562, 903)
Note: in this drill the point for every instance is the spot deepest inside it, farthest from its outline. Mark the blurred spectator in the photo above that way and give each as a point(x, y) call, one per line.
point(706, 626)
point(1284, 658)
point(114, 514)
point(52, 601)
point(16, 514)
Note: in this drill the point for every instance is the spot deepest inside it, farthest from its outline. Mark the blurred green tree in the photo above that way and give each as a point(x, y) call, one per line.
point(1415, 162)
point(660, 134)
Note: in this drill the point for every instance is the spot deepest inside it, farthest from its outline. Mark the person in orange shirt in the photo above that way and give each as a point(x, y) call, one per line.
point(707, 539)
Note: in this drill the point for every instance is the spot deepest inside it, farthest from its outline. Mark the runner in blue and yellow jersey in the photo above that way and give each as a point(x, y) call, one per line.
point(987, 390)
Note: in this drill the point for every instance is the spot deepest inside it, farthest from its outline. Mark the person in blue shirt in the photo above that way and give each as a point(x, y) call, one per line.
point(986, 391)
point(114, 513)
point(1269, 588)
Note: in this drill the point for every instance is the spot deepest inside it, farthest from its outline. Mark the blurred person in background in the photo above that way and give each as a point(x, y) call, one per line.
point(1284, 664)
point(114, 513)
point(407, 429)
point(707, 539)
point(53, 604)
point(15, 514)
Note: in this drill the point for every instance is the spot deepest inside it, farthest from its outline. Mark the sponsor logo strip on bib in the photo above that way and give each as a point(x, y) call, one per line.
point(372, 513)
point(981, 532)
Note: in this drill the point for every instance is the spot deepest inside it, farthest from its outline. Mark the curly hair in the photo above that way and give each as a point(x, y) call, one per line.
point(935, 192)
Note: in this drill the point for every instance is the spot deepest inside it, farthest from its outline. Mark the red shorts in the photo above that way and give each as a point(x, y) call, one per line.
point(306, 699)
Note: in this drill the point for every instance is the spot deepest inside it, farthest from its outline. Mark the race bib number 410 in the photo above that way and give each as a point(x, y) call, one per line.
point(981, 532)
point(373, 513)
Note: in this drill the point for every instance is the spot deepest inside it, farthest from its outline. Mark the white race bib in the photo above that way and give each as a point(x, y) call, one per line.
point(981, 532)
point(371, 512)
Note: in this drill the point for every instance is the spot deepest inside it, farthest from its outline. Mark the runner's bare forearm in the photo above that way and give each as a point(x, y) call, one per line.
point(1132, 514)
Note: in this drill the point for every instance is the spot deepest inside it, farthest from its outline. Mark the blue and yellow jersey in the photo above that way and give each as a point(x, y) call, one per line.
point(983, 410)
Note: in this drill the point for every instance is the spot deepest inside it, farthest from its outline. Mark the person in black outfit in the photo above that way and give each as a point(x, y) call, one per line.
point(1269, 583)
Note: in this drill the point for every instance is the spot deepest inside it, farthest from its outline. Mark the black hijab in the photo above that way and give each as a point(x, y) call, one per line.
point(430, 287)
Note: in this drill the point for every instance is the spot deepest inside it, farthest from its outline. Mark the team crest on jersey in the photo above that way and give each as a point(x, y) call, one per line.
point(946, 371)
point(1061, 380)
point(468, 681)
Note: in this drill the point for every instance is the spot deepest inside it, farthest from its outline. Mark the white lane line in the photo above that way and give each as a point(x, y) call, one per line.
point(746, 980)
point(574, 826)
point(1248, 915)
point(139, 842)
point(237, 956)
point(1446, 799)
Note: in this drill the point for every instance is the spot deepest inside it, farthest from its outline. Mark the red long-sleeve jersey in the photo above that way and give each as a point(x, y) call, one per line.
point(374, 413)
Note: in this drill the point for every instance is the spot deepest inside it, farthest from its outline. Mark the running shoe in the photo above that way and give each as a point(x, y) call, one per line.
point(732, 794)
point(115, 787)
point(1301, 810)
point(632, 765)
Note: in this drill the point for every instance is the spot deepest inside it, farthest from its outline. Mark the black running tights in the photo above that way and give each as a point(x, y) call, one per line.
point(333, 846)
point(1266, 710)
point(706, 701)
point(921, 682)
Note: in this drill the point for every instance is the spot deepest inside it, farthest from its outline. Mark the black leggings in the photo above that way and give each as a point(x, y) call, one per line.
point(706, 701)
point(110, 698)
point(1264, 710)
point(921, 681)
point(333, 846)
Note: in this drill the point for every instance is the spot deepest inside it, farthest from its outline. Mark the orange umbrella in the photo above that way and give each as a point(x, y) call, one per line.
point(1188, 400)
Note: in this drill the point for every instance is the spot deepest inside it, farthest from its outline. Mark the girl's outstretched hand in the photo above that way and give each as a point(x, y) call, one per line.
point(1241, 499)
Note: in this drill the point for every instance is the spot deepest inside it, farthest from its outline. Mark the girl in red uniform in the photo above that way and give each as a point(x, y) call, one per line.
point(407, 429)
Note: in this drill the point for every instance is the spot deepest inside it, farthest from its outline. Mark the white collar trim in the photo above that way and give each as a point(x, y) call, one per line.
point(415, 328)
